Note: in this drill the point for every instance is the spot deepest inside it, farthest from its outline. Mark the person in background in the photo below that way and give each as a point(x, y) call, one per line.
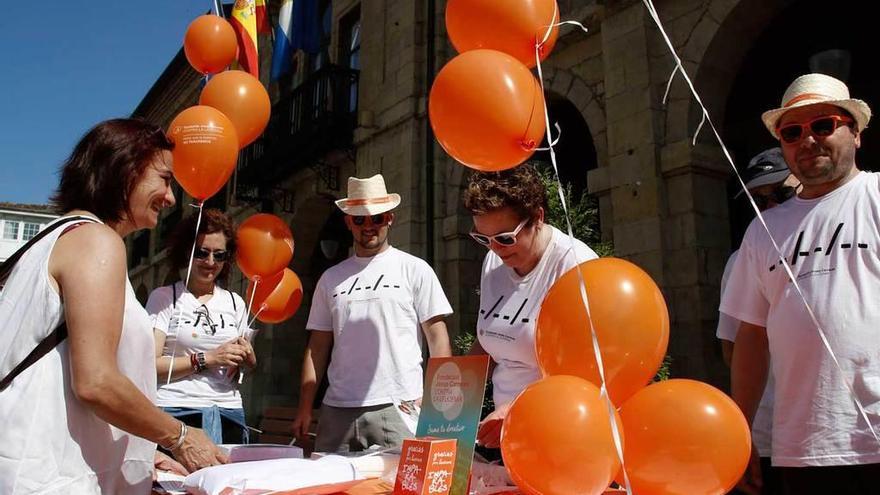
point(204, 326)
point(365, 319)
point(525, 257)
point(76, 350)
point(828, 234)
point(770, 183)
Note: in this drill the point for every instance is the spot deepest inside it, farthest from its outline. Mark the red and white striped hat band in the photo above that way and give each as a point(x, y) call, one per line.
point(812, 89)
point(368, 197)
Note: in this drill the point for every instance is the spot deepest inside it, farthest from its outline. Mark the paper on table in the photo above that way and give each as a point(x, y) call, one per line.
point(172, 483)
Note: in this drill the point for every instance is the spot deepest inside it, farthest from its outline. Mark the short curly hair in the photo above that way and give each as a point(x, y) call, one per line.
point(519, 188)
point(181, 241)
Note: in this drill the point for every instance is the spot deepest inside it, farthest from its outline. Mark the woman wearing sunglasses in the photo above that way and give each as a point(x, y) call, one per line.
point(204, 327)
point(77, 382)
point(526, 256)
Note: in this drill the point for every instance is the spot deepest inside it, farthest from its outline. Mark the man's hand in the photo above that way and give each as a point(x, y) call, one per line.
point(751, 481)
point(198, 451)
point(489, 430)
point(302, 423)
point(162, 462)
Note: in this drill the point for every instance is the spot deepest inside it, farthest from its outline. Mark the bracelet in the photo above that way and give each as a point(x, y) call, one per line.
point(194, 363)
point(180, 438)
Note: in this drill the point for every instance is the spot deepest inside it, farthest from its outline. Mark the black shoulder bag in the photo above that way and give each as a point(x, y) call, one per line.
point(60, 333)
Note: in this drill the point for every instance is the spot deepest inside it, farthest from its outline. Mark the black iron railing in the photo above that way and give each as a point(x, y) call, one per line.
point(317, 116)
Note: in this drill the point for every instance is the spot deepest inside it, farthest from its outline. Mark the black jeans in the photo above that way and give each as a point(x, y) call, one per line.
point(863, 479)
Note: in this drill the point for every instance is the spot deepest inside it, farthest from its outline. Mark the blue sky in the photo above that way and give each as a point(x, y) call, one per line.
point(70, 64)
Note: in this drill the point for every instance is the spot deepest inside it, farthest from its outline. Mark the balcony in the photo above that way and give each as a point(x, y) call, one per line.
point(314, 118)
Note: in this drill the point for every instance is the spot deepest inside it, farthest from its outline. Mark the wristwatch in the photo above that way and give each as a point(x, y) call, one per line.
point(203, 363)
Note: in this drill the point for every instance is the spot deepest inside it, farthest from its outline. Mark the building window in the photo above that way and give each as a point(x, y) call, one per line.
point(30, 230)
point(10, 230)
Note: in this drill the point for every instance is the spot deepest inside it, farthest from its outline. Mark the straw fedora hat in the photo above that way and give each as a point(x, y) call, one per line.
point(811, 89)
point(367, 197)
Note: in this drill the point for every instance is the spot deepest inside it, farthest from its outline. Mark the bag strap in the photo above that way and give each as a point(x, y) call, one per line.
point(7, 266)
point(60, 333)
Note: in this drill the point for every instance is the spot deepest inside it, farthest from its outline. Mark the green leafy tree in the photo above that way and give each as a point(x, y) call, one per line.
point(583, 210)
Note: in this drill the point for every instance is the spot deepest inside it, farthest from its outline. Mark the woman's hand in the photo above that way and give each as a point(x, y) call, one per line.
point(198, 452)
point(489, 429)
point(250, 358)
point(162, 462)
point(229, 354)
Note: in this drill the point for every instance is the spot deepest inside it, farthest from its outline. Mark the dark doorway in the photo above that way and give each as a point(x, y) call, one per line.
point(575, 151)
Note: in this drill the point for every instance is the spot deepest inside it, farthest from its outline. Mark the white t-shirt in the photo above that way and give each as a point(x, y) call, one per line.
point(374, 306)
point(50, 442)
point(202, 327)
point(832, 246)
point(762, 425)
point(509, 307)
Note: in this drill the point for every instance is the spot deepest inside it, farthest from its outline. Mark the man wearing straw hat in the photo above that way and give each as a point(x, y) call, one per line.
point(365, 317)
point(822, 333)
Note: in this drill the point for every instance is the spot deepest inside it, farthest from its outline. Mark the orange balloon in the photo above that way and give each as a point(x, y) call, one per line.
point(556, 438)
point(242, 98)
point(264, 246)
point(509, 26)
point(205, 150)
point(210, 44)
point(277, 297)
point(684, 436)
point(629, 316)
point(487, 110)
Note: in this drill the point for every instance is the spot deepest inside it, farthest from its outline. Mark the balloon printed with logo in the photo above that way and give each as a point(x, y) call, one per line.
point(510, 26)
point(205, 150)
point(210, 44)
point(264, 246)
point(242, 98)
point(487, 110)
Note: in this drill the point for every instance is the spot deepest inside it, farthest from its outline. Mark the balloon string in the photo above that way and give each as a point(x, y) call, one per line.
point(176, 319)
point(552, 142)
point(256, 315)
point(615, 433)
point(782, 259)
point(249, 306)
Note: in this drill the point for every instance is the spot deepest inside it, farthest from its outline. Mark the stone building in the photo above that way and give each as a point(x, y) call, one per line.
point(359, 108)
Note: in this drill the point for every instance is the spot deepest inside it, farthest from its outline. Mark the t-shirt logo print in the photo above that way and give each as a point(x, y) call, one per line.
point(373, 286)
point(817, 251)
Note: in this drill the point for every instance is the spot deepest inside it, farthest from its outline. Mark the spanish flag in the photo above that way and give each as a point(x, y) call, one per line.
point(244, 20)
point(262, 17)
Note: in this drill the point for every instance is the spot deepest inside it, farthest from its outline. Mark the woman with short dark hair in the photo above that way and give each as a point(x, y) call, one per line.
point(526, 256)
point(201, 331)
point(76, 350)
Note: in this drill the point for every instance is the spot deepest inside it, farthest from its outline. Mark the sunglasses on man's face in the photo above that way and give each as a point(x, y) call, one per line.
point(203, 254)
point(778, 196)
point(823, 126)
point(505, 239)
point(375, 220)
